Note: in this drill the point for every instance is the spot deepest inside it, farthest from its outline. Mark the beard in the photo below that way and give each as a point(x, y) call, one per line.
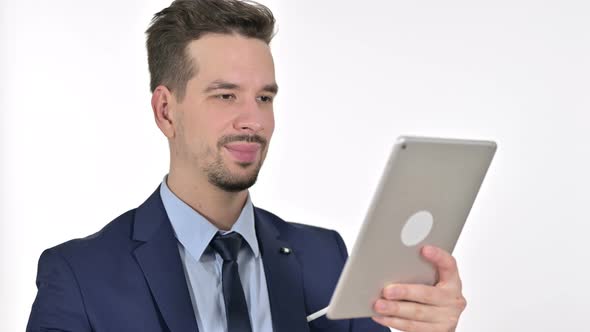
point(219, 174)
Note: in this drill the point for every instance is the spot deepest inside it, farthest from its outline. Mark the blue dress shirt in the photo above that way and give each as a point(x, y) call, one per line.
point(202, 266)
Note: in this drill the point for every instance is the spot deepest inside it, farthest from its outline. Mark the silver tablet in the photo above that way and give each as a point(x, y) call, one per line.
point(424, 196)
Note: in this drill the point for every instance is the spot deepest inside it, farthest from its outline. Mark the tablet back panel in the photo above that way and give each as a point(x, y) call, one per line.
point(429, 185)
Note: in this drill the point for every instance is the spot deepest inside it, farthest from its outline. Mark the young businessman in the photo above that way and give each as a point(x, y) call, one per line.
point(197, 255)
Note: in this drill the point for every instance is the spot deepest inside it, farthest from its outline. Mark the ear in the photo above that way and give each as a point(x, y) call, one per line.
point(162, 105)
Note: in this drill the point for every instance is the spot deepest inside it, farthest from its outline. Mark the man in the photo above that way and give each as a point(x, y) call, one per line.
point(197, 255)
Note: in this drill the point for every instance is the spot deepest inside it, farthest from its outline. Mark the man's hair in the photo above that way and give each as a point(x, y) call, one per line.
point(173, 28)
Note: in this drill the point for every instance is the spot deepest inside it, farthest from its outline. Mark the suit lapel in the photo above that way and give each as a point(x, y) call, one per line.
point(283, 278)
point(160, 262)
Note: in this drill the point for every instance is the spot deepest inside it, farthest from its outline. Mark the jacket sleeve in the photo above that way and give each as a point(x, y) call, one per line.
point(359, 324)
point(59, 305)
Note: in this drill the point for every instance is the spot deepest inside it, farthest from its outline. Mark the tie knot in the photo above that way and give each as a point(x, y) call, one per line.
point(227, 246)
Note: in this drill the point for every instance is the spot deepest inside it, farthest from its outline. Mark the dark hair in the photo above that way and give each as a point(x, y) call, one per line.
point(173, 28)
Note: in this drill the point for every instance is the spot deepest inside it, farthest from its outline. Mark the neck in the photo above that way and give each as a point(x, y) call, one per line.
point(220, 207)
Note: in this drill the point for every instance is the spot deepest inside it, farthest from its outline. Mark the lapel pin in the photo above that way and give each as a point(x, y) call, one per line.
point(285, 251)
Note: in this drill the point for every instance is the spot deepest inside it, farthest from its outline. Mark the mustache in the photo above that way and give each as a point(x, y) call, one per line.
point(242, 138)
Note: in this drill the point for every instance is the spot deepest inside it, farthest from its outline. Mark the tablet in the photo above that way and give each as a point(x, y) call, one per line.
point(424, 196)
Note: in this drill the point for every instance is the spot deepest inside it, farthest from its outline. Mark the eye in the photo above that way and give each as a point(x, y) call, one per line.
point(226, 96)
point(265, 99)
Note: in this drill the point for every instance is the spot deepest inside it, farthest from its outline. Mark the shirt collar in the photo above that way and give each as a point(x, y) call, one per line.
point(195, 232)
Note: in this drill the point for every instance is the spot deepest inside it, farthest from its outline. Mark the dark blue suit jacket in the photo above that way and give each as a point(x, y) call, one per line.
point(128, 277)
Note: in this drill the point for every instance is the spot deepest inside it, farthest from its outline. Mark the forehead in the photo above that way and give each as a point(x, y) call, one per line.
point(232, 57)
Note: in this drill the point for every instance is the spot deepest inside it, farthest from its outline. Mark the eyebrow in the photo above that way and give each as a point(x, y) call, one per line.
point(272, 88)
point(224, 85)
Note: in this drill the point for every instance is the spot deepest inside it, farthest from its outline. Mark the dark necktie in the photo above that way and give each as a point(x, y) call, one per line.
point(236, 309)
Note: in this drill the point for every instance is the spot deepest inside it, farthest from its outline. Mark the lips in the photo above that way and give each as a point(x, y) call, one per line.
point(243, 152)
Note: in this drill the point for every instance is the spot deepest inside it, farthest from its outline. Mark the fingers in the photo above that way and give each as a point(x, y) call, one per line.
point(417, 293)
point(404, 324)
point(408, 316)
point(445, 264)
point(406, 310)
point(416, 308)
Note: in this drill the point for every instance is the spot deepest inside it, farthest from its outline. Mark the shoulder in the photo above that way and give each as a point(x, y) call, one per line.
point(290, 227)
point(111, 239)
point(307, 237)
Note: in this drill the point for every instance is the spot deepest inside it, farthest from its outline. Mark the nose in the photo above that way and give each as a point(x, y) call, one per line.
point(250, 126)
point(250, 119)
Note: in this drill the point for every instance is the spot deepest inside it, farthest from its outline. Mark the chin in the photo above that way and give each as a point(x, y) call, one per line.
point(233, 176)
point(245, 175)
point(235, 182)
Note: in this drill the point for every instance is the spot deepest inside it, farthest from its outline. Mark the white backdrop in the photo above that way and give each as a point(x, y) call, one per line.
point(79, 146)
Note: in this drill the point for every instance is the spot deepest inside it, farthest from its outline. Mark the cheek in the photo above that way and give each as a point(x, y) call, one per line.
point(270, 124)
point(194, 137)
point(202, 126)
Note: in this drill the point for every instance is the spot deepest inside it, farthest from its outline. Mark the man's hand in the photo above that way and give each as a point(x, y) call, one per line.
point(420, 308)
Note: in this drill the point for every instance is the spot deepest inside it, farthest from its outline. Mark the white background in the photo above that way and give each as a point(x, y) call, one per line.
point(79, 146)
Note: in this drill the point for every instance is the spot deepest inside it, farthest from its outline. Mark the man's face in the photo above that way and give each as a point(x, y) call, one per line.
point(225, 121)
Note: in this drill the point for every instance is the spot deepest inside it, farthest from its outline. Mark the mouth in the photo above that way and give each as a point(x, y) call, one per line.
point(243, 152)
